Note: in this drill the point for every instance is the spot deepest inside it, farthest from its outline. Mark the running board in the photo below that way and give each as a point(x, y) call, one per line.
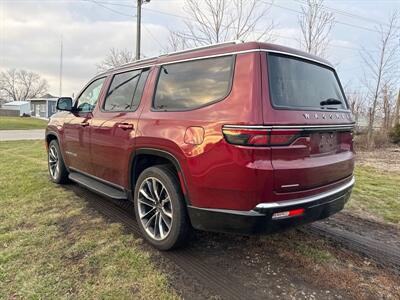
point(98, 186)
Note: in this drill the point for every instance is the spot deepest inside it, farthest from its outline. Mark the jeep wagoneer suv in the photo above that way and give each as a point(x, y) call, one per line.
point(236, 137)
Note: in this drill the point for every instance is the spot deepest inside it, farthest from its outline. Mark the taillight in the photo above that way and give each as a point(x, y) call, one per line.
point(246, 137)
point(260, 137)
point(283, 137)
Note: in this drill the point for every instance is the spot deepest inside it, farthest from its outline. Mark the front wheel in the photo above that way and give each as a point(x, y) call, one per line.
point(57, 170)
point(159, 208)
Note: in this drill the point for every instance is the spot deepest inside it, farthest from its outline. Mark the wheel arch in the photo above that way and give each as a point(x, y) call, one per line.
point(52, 136)
point(160, 156)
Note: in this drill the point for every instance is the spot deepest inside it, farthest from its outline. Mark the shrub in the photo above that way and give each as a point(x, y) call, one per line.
point(395, 134)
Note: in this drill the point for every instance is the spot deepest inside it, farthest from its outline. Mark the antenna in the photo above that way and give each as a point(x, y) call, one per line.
point(61, 65)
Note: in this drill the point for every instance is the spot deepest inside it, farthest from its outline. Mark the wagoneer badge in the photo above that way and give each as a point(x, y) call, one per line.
point(323, 116)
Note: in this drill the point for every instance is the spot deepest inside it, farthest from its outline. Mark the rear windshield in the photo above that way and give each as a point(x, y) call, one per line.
point(298, 84)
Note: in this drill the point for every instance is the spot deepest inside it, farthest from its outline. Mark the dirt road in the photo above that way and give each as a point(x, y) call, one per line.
point(282, 266)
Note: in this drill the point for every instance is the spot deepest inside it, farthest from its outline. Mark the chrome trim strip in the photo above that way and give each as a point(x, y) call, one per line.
point(228, 211)
point(298, 56)
point(320, 126)
point(283, 204)
point(99, 179)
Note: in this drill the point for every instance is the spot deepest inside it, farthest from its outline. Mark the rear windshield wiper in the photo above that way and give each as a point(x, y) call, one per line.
point(330, 101)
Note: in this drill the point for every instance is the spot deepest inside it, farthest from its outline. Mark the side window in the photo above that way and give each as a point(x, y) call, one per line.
point(139, 89)
point(121, 91)
point(88, 99)
point(193, 84)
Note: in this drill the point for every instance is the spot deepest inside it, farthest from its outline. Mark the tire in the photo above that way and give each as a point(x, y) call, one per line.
point(152, 207)
point(57, 170)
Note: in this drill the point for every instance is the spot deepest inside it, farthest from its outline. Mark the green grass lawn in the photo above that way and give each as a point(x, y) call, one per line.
point(52, 246)
point(11, 123)
point(377, 193)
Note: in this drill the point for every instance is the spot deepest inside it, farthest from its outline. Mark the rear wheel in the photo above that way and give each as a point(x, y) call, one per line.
point(159, 208)
point(57, 170)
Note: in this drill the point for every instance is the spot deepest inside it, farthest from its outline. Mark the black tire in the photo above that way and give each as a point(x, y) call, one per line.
point(60, 173)
point(180, 225)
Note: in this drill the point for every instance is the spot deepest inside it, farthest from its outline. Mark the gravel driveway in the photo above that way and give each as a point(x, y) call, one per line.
point(16, 135)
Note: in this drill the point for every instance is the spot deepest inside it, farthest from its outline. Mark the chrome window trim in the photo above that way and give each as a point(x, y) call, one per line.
point(157, 63)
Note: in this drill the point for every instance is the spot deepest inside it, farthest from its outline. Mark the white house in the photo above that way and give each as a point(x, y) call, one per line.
point(19, 107)
point(43, 107)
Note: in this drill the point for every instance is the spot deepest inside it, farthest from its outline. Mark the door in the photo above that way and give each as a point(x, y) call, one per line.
point(114, 124)
point(77, 129)
point(311, 135)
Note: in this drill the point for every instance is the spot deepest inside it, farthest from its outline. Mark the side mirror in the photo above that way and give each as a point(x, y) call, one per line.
point(64, 103)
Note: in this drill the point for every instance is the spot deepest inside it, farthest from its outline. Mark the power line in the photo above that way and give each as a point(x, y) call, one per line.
point(108, 8)
point(348, 14)
point(335, 21)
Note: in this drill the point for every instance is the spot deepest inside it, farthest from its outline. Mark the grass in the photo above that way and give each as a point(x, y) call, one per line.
point(377, 193)
point(12, 123)
point(54, 247)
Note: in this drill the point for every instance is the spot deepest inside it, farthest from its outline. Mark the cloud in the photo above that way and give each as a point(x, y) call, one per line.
point(32, 41)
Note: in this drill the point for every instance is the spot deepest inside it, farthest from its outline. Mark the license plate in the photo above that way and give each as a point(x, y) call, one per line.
point(324, 142)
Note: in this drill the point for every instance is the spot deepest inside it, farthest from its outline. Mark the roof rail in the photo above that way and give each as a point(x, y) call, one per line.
point(203, 47)
point(176, 52)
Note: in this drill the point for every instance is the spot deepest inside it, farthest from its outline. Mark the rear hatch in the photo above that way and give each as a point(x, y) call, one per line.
point(311, 126)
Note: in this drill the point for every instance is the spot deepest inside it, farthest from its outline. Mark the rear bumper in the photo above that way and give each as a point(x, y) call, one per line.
point(261, 219)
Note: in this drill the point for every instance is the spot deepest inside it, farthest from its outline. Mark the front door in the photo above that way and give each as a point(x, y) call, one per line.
point(77, 130)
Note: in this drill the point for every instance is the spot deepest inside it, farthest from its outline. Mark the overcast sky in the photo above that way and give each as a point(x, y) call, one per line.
point(31, 31)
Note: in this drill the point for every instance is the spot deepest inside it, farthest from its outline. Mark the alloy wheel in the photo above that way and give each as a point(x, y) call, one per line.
point(54, 166)
point(155, 208)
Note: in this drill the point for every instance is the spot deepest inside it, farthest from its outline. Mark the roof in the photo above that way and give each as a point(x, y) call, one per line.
point(47, 96)
point(15, 103)
point(216, 50)
point(43, 99)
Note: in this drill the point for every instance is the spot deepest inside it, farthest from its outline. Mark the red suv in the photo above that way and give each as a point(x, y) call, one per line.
point(235, 137)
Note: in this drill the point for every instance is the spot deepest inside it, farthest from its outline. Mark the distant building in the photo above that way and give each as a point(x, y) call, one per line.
point(15, 108)
point(43, 107)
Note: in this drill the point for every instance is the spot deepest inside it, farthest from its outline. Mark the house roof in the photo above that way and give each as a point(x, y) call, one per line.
point(47, 96)
point(42, 99)
point(15, 103)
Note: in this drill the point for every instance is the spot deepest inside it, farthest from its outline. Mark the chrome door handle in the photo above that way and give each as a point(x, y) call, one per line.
point(125, 126)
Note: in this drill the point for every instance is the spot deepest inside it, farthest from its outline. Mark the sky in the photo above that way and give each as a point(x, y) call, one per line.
point(31, 32)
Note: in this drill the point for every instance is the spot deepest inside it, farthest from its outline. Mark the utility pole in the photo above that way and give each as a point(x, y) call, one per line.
point(138, 20)
point(61, 66)
point(138, 24)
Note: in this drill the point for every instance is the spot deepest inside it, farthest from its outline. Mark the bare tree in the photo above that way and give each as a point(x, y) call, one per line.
point(19, 85)
point(397, 113)
point(115, 58)
point(380, 68)
point(215, 21)
point(315, 24)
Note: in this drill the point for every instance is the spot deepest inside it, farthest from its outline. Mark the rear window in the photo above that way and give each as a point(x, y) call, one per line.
point(193, 84)
point(299, 84)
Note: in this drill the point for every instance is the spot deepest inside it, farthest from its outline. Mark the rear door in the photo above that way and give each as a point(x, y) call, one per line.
point(114, 126)
point(311, 126)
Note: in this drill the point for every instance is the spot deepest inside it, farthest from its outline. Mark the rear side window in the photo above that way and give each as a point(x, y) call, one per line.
point(193, 84)
point(125, 91)
point(299, 84)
